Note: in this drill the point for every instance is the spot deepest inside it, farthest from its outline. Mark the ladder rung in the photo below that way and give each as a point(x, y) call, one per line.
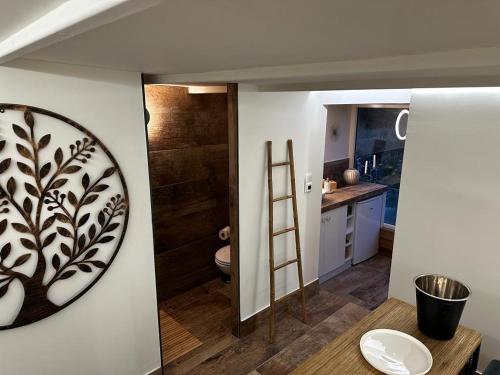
point(283, 231)
point(282, 198)
point(285, 264)
point(280, 164)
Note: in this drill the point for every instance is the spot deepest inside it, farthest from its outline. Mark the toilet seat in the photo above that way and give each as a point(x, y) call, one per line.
point(223, 259)
point(223, 256)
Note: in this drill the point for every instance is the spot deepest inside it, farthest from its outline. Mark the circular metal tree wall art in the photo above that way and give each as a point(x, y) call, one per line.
point(63, 213)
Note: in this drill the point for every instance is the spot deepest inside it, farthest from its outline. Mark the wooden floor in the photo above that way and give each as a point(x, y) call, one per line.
point(205, 313)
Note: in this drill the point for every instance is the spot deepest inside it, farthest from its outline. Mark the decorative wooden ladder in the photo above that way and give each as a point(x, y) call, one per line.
point(272, 234)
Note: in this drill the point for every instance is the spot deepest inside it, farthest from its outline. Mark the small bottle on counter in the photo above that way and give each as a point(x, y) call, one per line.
point(329, 185)
point(333, 186)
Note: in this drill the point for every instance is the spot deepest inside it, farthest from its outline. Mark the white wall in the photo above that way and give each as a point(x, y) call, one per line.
point(339, 119)
point(277, 117)
point(448, 216)
point(342, 106)
point(113, 328)
point(401, 96)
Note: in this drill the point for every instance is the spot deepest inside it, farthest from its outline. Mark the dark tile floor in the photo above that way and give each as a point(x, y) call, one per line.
point(341, 302)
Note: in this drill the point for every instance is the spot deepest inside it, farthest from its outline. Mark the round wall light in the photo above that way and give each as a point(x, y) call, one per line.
point(398, 120)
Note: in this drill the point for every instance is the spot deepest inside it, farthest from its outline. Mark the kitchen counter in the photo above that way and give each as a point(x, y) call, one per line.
point(350, 194)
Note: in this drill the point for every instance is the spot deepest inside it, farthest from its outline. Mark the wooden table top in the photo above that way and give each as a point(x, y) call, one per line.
point(343, 356)
point(349, 194)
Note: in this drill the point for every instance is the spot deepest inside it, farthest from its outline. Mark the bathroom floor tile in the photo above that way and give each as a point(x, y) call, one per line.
point(313, 340)
point(202, 305)
point(373, 293)
point(350, 280)
point(249, 352)
point(378, 263)
point(206, 313)
point(211, 347)
point(318, 307)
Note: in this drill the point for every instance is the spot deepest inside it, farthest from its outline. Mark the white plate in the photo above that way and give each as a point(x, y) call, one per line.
point(395, 353)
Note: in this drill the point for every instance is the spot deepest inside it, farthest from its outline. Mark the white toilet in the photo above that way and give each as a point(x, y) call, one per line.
point(223, 259)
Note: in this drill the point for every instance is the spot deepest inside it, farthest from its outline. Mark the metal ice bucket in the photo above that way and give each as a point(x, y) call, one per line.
point(440, 303)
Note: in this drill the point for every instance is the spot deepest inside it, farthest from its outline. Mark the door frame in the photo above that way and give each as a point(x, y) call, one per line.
point(233, 192)
point(146, 121)
point(232, 123)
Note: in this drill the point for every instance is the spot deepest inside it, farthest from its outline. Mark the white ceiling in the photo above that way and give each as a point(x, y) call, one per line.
point(184, 36)
point(16, 14)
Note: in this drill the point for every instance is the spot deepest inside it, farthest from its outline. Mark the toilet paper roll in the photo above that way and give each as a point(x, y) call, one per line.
point(224, 233)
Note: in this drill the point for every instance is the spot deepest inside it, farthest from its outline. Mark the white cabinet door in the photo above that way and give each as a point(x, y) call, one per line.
point(332, 247)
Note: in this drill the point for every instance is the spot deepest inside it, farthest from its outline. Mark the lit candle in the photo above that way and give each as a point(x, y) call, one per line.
point(374, 161)
point(366, 166)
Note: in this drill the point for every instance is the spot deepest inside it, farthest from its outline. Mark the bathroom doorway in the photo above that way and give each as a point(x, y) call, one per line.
point(192, 141)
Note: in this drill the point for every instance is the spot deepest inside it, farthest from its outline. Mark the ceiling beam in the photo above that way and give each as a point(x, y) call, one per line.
point(71, 18)
point(473, 67)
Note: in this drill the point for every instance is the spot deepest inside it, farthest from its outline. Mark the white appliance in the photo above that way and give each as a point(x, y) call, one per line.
point(367, 228)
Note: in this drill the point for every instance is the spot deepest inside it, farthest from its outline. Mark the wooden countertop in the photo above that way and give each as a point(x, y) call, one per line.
point(343, 356)
point(351, 194)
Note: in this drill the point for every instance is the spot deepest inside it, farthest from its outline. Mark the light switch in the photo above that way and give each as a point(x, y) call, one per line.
point(308, 183)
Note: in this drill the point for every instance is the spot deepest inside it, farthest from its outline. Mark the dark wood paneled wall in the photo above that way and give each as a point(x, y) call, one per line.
point(386, 241)
point(188, 141)
point(234, 213)
point(334, 170)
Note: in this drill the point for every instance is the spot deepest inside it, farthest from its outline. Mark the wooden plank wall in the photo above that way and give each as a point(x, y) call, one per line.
point(386, 241)
point(334, 170)
point(188, 143)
